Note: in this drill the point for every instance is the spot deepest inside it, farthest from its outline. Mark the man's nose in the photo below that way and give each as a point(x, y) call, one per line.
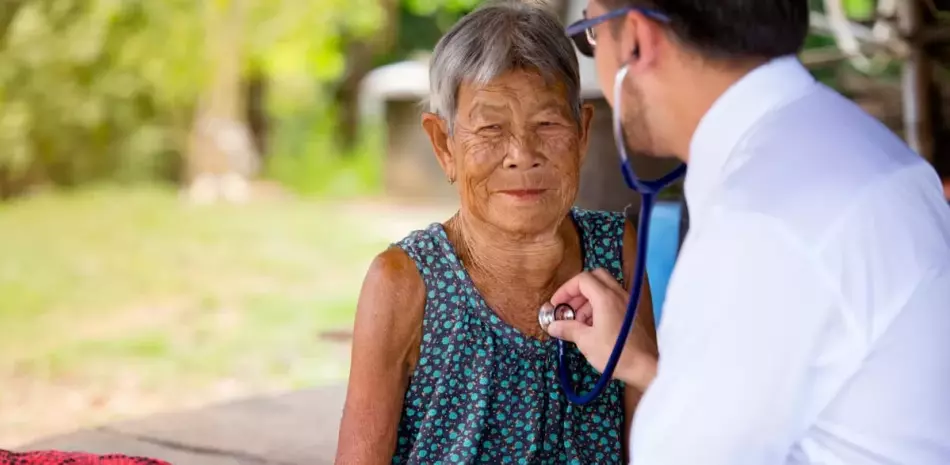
point(523, 154)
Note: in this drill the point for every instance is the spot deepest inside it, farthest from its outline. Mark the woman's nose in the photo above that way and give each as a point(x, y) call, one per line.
point(523, 155)
point(525, 164)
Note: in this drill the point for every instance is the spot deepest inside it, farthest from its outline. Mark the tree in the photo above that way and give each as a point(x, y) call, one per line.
point(364, 53)
point(84, 96)
point(134, 89)
point(221, 154)
point(109, 89)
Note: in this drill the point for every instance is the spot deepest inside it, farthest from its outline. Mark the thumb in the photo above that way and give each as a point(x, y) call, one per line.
point(567, 330)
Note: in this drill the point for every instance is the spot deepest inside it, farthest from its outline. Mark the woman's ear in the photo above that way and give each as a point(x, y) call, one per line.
point(587, 115)
point(437, 130)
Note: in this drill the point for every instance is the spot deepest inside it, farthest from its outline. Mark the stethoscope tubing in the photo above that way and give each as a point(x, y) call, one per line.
point(648, 190)
point(639, 274)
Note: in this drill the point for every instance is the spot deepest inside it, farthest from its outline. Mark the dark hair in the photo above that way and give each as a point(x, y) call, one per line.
point(733, 29)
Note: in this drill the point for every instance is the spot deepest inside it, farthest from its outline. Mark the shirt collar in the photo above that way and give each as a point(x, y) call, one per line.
point(733, 115)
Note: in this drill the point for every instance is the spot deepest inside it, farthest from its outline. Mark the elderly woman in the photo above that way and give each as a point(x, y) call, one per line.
point(449, 363)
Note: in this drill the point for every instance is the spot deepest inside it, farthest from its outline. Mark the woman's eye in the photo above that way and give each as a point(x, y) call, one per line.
point(490, 128)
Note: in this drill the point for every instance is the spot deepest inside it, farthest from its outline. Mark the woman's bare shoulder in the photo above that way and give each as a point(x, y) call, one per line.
point(386, 338)
point(392, 299)
point(394, 268)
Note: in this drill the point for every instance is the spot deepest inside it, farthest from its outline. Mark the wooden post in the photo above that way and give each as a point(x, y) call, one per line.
point(916, 82)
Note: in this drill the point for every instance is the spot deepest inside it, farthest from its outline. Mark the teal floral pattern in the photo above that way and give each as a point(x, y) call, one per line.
point(482, 391)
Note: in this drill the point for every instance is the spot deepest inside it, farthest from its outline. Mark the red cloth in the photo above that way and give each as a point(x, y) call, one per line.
point(72, 458)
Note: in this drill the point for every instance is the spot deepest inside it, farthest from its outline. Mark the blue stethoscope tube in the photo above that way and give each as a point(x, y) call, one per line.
point(648, 190)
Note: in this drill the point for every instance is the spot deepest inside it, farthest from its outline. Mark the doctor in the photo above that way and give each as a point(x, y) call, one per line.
point(808, 317)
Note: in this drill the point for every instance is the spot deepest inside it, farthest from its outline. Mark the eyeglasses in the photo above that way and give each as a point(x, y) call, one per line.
point(582, 32)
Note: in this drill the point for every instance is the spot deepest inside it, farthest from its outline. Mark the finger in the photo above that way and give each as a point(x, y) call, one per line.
point(567, 330)
point(613, 286)
point(584, 314)
point(581, 286)
point(578, 302)
point(601, 297)
point(569, 292)
point(608, 280)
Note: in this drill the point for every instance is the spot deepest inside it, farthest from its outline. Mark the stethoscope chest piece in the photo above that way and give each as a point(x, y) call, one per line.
point(549, 314)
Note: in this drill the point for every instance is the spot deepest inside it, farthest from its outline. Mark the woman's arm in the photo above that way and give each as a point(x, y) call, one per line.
point(386, 339)
point(644, 327)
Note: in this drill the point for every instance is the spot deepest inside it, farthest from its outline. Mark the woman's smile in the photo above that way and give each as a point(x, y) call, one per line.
point(524, 194)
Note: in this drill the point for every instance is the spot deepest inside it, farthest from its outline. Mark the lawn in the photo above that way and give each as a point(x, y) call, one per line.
point(121, 302)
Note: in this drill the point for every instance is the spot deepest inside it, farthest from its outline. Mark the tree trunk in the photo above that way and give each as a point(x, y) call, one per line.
point(359, 62)
point(221, 155)
point(8, 11)
point(360, 56)
point(916, 81)
point(940, 95)
point(256, 92)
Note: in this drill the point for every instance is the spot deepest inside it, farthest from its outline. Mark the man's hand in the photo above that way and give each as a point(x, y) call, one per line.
point(599, 304)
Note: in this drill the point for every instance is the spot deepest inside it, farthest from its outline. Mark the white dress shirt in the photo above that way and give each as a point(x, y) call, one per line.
point(807, 320)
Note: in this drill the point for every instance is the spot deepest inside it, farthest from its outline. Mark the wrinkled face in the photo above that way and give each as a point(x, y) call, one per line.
point(515, 152)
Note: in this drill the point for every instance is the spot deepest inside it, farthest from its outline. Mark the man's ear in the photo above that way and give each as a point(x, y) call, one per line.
point(640, 40)
point(437, 130)
point(587, 115)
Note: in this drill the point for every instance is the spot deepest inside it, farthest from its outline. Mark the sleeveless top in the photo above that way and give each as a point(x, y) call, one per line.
point(482, 391)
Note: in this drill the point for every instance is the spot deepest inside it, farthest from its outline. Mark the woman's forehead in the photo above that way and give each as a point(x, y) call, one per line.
point(514, 90)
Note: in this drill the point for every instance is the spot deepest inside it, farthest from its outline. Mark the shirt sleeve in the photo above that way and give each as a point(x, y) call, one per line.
point(743, 326)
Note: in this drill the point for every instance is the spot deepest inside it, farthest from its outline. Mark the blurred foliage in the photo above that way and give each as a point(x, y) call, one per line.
point(96, 90)
point(298, 152)
point(107, 89)
point(860, 10)
point(83, 93)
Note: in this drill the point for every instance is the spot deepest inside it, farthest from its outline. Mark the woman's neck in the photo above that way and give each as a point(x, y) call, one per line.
point(531, 260)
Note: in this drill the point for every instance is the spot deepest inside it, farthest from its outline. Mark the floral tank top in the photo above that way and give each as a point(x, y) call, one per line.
point(483, 392)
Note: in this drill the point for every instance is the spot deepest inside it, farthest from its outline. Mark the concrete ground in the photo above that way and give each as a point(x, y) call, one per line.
point(298, 428)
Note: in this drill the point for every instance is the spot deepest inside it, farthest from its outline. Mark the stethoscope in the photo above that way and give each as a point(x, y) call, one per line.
point(648, 190)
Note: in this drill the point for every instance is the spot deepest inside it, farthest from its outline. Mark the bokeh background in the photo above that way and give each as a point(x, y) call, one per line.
point(191, 190)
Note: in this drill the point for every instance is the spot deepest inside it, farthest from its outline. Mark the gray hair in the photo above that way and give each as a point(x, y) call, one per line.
point(495, 39)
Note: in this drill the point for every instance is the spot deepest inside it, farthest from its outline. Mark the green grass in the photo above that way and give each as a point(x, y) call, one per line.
point(326, 177)
point(299, 159)
point(109, 284)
